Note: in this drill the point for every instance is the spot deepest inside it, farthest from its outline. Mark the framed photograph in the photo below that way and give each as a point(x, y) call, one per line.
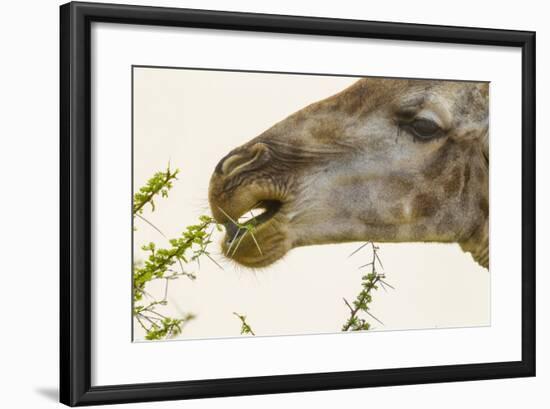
point(257, 204)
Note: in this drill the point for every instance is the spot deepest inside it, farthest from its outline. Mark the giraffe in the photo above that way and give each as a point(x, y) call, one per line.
point(384, 160)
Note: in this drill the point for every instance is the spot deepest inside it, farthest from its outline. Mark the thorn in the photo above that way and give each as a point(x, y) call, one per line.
point(379, 261)
point(374, 317)
point(365, 265)
point(361, 247)
point(151, 224)
point(233, 241)
point(384, 282)
point(239, 243)
point(349, 306)
point(257, 245)
point(213, 261)
point(229, 217)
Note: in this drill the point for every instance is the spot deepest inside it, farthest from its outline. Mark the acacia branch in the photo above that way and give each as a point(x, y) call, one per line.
point(160, 183)
point(362, 301)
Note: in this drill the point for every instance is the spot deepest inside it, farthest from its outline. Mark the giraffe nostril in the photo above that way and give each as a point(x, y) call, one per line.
point(234, 163)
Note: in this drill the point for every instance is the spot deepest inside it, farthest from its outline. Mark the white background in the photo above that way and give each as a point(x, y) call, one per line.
point(30, 206)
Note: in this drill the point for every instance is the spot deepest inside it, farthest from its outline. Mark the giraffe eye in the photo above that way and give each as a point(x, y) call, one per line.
point(424, 129)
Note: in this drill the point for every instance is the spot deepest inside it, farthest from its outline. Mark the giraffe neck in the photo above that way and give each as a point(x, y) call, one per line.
point(478, 245)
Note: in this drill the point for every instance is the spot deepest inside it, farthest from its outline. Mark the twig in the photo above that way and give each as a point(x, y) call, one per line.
point(245, 327)
point(369, 283)
point(154, 186)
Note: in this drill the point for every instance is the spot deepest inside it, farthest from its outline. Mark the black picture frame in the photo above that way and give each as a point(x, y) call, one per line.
point(76, 198)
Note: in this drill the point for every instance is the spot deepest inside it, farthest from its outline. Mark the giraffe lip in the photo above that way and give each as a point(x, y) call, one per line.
point(268, 208)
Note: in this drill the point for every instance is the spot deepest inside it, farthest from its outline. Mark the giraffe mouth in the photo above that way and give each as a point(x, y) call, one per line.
point(250, 220)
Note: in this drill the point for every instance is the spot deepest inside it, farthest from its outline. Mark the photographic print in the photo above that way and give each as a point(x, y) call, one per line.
point(268, 204)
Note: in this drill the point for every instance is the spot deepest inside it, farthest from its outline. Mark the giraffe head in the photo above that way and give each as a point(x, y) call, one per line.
point(386, 160)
